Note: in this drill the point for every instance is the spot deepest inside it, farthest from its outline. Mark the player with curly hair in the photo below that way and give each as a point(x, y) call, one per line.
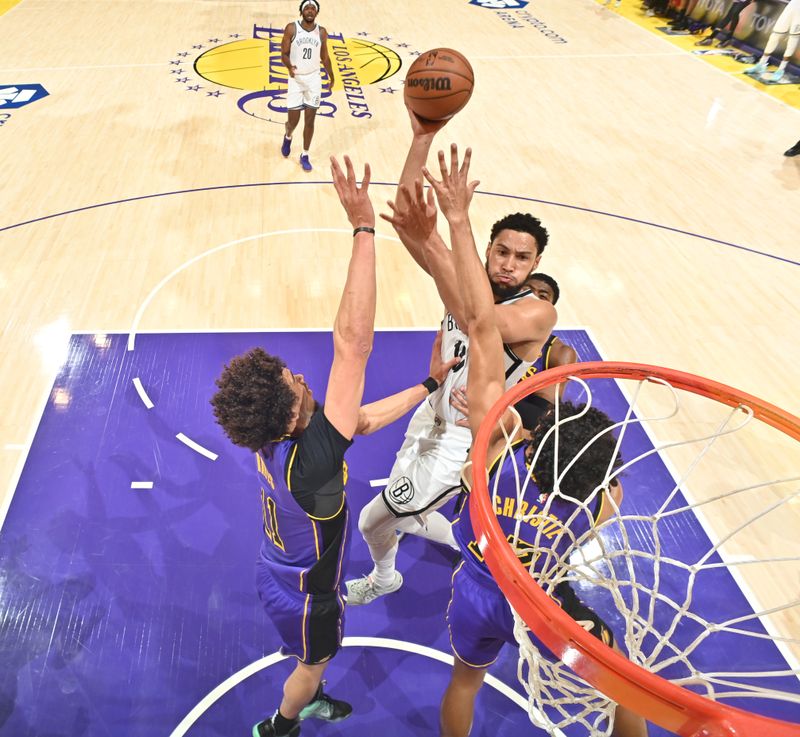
point(299, 448)
point(550, 513)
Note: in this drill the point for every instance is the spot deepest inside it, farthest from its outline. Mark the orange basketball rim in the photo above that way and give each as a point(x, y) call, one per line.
point(656, 699)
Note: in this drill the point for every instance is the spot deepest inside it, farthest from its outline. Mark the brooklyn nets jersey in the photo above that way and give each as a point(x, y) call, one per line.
point(304, 53)
point(455, 344)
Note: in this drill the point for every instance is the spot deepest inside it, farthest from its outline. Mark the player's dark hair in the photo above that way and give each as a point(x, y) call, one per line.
point(523, 223)
point(589, 471)
point(547, 279)
point(253, 403)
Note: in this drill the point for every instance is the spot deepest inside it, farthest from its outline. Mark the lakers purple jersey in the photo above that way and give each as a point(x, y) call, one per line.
point(304, 552)
point(549, 524)
point(543, 362)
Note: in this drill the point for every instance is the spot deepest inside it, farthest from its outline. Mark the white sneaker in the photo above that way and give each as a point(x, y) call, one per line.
point(364, 590)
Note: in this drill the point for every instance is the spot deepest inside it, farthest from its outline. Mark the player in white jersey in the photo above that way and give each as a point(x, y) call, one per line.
point(786, 28)
point(304, 46)
point(426, 472)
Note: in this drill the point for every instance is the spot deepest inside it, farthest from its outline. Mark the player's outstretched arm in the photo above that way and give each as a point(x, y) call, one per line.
point(422, 135)
point(354, 325)
point(414, 220)
point(379, 414)
point(486, 375)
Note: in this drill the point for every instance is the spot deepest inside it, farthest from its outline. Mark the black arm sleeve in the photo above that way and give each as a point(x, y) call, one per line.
point(317, 475)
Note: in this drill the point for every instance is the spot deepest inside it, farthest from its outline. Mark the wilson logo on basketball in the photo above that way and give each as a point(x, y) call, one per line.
point(430, 83)
point(254, 66)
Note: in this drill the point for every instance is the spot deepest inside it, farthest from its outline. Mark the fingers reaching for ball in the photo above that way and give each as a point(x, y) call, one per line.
point(454, 191)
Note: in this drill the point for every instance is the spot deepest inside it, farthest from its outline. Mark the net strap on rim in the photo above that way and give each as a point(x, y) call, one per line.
point(655, 698)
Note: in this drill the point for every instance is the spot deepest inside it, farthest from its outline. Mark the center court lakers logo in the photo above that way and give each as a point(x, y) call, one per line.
point(254, 66)
point(401, 491)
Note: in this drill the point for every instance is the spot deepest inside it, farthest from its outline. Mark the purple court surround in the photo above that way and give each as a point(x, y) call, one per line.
point(122, 608)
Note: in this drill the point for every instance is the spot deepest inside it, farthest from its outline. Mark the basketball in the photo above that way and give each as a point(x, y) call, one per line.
point(438, 84)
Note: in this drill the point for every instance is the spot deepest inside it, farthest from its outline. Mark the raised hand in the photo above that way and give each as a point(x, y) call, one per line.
point(458, 401)
point(454, 191)
point(423, 126)
point(413, 215)
point(439, 368)
point(354, 197)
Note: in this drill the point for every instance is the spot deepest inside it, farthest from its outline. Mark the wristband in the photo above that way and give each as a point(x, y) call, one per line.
point(363, 229)
point(430, 384)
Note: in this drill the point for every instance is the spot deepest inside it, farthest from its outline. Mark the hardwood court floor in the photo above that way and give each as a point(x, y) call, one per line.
point(139, 194)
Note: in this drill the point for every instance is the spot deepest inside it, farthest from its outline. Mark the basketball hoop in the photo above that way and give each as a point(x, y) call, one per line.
point(594, 667)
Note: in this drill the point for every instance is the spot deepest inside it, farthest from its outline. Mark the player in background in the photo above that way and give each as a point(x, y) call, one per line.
point(786, 28)
point(304, 46)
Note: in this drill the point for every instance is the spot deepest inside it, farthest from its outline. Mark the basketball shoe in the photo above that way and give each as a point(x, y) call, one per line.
point(325, 708)
point(793, 151)
point(267, 729)
point(286, 148)
point(758, 69)
point(776, 76)
point(305, 162)
point(365, 590)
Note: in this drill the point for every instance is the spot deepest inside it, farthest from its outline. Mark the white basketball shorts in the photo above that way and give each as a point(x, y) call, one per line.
point(427, 471)
point(789, 19)
point(304, 90)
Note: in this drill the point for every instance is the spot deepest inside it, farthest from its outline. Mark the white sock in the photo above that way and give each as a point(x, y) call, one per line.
point(305, 153)
point(377, 524)
point(384, 570)
point(288, 138)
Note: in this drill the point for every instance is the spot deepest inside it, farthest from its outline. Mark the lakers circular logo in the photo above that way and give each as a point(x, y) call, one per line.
point(254, 66)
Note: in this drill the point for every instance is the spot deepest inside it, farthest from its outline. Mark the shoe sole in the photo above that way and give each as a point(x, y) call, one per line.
point(330, 721)
point(293, 732)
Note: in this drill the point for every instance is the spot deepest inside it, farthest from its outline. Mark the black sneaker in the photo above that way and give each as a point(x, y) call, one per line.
point(267, 729)
point(327, 709)
point(793, 151)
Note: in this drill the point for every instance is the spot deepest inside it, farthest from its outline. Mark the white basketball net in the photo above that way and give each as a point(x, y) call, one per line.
point(633, 564)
